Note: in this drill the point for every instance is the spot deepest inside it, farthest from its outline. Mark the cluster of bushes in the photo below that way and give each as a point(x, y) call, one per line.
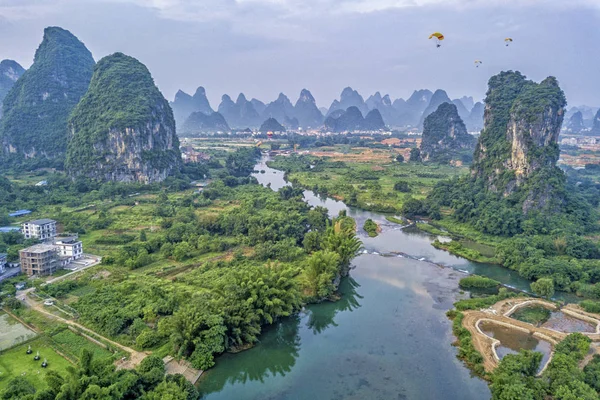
point(476, 281)
point(466, 350)
point(371, 227)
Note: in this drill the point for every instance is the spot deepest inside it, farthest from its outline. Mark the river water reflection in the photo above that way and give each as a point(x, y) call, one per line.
point(387, 338)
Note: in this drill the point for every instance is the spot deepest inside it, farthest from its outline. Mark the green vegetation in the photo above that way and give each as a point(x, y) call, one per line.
point(369, 184)
point(394, 220)
point(185, 272)
point(15, 363)
point(10, 71)
point(122, 95)
point(466, 350)
point(590, 306)
point(429, 228)
point(445, 137)
point(543, 287)
point(484, 301)
point(72, 344)
point(415, 154)
point(515, 377)
point(371, 228)
point(551, 240)
point(535, 315)
point(98, 379)
point(457, 248)
point(192, 274)
point(476, 281)
point(37, 107)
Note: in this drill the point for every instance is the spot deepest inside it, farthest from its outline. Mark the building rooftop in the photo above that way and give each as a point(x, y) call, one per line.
point(67, 240)
point(18, 213)
point(39, 248)
point(6, 229)
point(3, 255)
point(42, 221)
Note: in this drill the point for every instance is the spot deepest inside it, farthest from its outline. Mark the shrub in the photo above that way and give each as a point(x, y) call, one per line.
point(477, 281)
point(370, 227)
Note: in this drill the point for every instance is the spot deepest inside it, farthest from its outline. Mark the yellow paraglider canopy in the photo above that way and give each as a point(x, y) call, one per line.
point(438, 38)
point(477, 63)
point(508, 41)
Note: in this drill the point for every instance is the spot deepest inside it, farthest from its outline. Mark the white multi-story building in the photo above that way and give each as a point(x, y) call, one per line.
point(69, 247)
point(41, 229)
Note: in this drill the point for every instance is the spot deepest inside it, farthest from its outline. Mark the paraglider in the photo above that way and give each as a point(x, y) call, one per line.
point(508, 41)
point(438, 38)
point(478, 63)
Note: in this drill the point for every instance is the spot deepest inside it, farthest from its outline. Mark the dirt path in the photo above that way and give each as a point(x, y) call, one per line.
point(499, 314)
point(135, 357)
point(593, 351)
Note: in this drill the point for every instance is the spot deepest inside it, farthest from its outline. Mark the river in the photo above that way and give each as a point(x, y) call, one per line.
point(387, 338)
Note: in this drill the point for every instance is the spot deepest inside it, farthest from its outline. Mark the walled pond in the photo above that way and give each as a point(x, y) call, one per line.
point(552, 319)
point(513, 340)
point(12, 332)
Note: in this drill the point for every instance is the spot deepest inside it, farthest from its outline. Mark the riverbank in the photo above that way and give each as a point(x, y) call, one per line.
point(397, 279)
point(501, 313)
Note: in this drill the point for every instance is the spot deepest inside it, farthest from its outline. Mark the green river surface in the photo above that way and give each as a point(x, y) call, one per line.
point(387, 337)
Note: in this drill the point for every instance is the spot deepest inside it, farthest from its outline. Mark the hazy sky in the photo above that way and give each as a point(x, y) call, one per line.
point(263, 47)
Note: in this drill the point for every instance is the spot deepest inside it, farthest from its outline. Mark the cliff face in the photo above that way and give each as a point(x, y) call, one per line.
point(123, 129)
point(10, 72)
point(445, 135)
point(518, 146)
point(37, 107)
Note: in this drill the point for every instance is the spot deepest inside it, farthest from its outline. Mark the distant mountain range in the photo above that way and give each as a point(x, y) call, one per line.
point(582, 120)
point(304, 113)
point(353, 120)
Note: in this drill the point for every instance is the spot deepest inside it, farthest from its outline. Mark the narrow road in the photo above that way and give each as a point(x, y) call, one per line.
point(135, 356)
point(60, 278)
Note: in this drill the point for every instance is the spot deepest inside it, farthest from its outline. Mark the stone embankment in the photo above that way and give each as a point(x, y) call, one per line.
point(500, 314)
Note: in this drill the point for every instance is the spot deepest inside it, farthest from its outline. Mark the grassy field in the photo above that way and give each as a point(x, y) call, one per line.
point(369, 176)
point(72, 343)
point(15, 362)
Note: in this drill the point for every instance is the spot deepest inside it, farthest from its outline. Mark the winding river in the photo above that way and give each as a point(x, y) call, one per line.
point(387, 338)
